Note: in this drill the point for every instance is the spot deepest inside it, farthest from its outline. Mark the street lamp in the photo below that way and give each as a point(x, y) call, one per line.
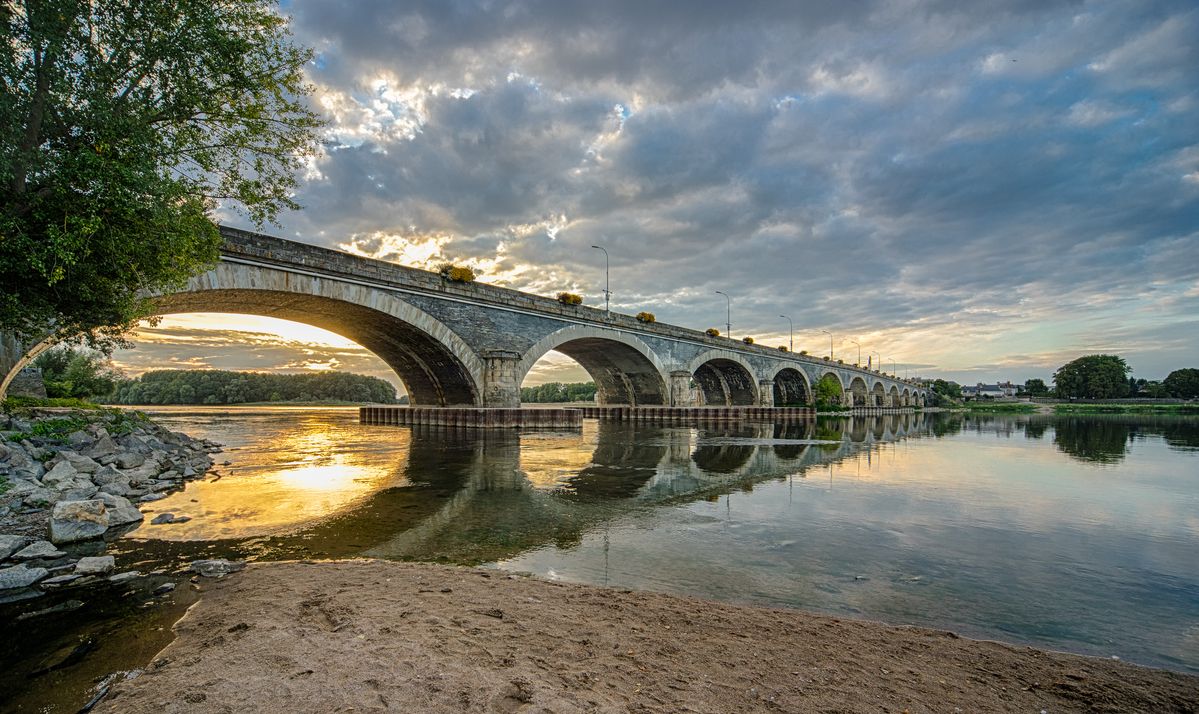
point(893, 372)
point(792, 331)
point(728, 315)
point(830, 343)
point(859, 362)
point(607, 292)
point(878, 366)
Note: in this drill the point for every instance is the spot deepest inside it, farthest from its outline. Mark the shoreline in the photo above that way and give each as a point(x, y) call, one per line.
point(378, 635)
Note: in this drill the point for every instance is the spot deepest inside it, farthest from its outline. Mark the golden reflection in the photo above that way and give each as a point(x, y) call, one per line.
point(311, 471)
point(549, 459)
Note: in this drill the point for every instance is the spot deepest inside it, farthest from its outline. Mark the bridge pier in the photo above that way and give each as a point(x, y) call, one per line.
point(680, 388)
point(501, 385)
point(766, 392)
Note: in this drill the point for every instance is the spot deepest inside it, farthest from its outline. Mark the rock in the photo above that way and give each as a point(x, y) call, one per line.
point(130, 460)
point(152, 497)
point(106, 475)
point(62, 472)
point(20, 576)
point(21, 487)
point(80, 438)
point(217, 568)
point(73, 521)
point(120, 510)
point(10, 544)
point(39, 498)
point(104, 446)
point(162, 518)
point(38, 549)
point(163, 589)
point(101, 565)
point(124, 577)
point(77, 493)
point(79, 462)
point(181, 519)
point(59, 580)
point(117, 488)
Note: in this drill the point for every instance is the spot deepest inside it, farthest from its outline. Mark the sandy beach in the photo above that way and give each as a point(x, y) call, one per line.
point(367, 636)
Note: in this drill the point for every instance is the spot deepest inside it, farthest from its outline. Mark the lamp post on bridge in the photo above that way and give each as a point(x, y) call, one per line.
point(878, 365)
point(893, 372)
point(830, 343)
point(859, 362)
point(792, 342)
point(728, 315)
point(607, 292)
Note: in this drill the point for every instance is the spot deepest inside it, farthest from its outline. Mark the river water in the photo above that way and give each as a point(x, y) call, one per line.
point(1076, 534)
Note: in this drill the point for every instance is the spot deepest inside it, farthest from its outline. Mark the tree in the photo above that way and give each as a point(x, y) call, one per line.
point(123, 125)
point(1036, 387)
point(828, 392)
point(1182, 383)
point(76, 372)
point(1093, 377)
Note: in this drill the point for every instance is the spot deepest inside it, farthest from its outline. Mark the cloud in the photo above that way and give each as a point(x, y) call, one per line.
point(964, 185)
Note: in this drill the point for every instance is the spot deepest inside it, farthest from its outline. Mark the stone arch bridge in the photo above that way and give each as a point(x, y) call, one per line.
point(460, 344)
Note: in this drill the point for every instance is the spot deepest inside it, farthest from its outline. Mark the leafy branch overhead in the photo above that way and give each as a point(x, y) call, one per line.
point(124, 126)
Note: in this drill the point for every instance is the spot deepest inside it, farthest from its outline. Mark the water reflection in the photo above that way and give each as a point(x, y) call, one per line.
point(1072, 533)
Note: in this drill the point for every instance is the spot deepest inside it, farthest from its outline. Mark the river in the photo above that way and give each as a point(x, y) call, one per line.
point(1068, 533)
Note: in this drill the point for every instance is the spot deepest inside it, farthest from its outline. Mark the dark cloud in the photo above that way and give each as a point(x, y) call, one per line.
point(944, 178)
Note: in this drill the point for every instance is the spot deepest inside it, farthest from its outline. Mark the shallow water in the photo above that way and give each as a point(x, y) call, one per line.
point(1077, 534)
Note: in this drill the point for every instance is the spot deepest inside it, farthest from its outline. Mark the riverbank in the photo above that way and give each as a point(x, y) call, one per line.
point(73, 480)
point(375, 635)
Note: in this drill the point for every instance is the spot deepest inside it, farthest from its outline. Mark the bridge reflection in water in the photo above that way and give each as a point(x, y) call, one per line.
point(475, 496)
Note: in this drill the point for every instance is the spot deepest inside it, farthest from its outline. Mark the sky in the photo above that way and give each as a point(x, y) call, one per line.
point(974, 190)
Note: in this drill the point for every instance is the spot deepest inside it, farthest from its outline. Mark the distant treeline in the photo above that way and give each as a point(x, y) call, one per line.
point(198, 386)
point(559, 392)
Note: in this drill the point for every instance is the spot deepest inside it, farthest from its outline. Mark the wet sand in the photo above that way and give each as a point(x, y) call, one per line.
point(373, 636)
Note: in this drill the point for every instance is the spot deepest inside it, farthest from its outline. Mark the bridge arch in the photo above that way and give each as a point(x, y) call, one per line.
point(791, 388)
point(878, 395)
point(905, 399)
point(625, 369)
point(833, 380)
point(859, 391)
point(724, 379)
point(436, 366)
point(893, 397)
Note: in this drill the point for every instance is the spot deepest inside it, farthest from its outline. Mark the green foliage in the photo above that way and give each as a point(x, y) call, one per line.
point(1002, 407)
point(556, 392)
point(570, 299)
point(1036, 388)
point(1093, 377)
point(747, 340)
point(828, 392)
point(646, 317)
point(953, 390)
point(712, 332)
point(803, 352)
point(4, 484)
point(1182, 383)
point(456, 273)
point(782, 348)
point(22, 404)
point(76, 372)
point(222, 387)
point(1126, 409)
point(124, 125)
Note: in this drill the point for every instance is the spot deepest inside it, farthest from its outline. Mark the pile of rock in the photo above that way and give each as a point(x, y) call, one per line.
point(79, 489)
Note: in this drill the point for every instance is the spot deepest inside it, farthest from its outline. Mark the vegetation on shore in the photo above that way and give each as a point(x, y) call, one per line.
point(1126, 408)
point(1002, 407)
point(194, 386)
point(557, 392)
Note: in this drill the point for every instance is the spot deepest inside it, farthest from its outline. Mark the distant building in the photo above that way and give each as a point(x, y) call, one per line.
point(990, 391)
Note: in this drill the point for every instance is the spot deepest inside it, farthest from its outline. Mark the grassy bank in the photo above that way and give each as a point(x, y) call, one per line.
point(1126, 408)
point(1001, 408)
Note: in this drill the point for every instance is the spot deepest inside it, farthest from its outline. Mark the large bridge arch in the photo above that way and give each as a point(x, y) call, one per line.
point(893, 397)
point(625, 369)
point(859, 391)
point(724, 378)
point(791, 388)
point(878, 395)
point(436, 366)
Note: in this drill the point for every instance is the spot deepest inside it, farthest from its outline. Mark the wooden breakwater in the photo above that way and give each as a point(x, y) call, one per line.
point(471, 417)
